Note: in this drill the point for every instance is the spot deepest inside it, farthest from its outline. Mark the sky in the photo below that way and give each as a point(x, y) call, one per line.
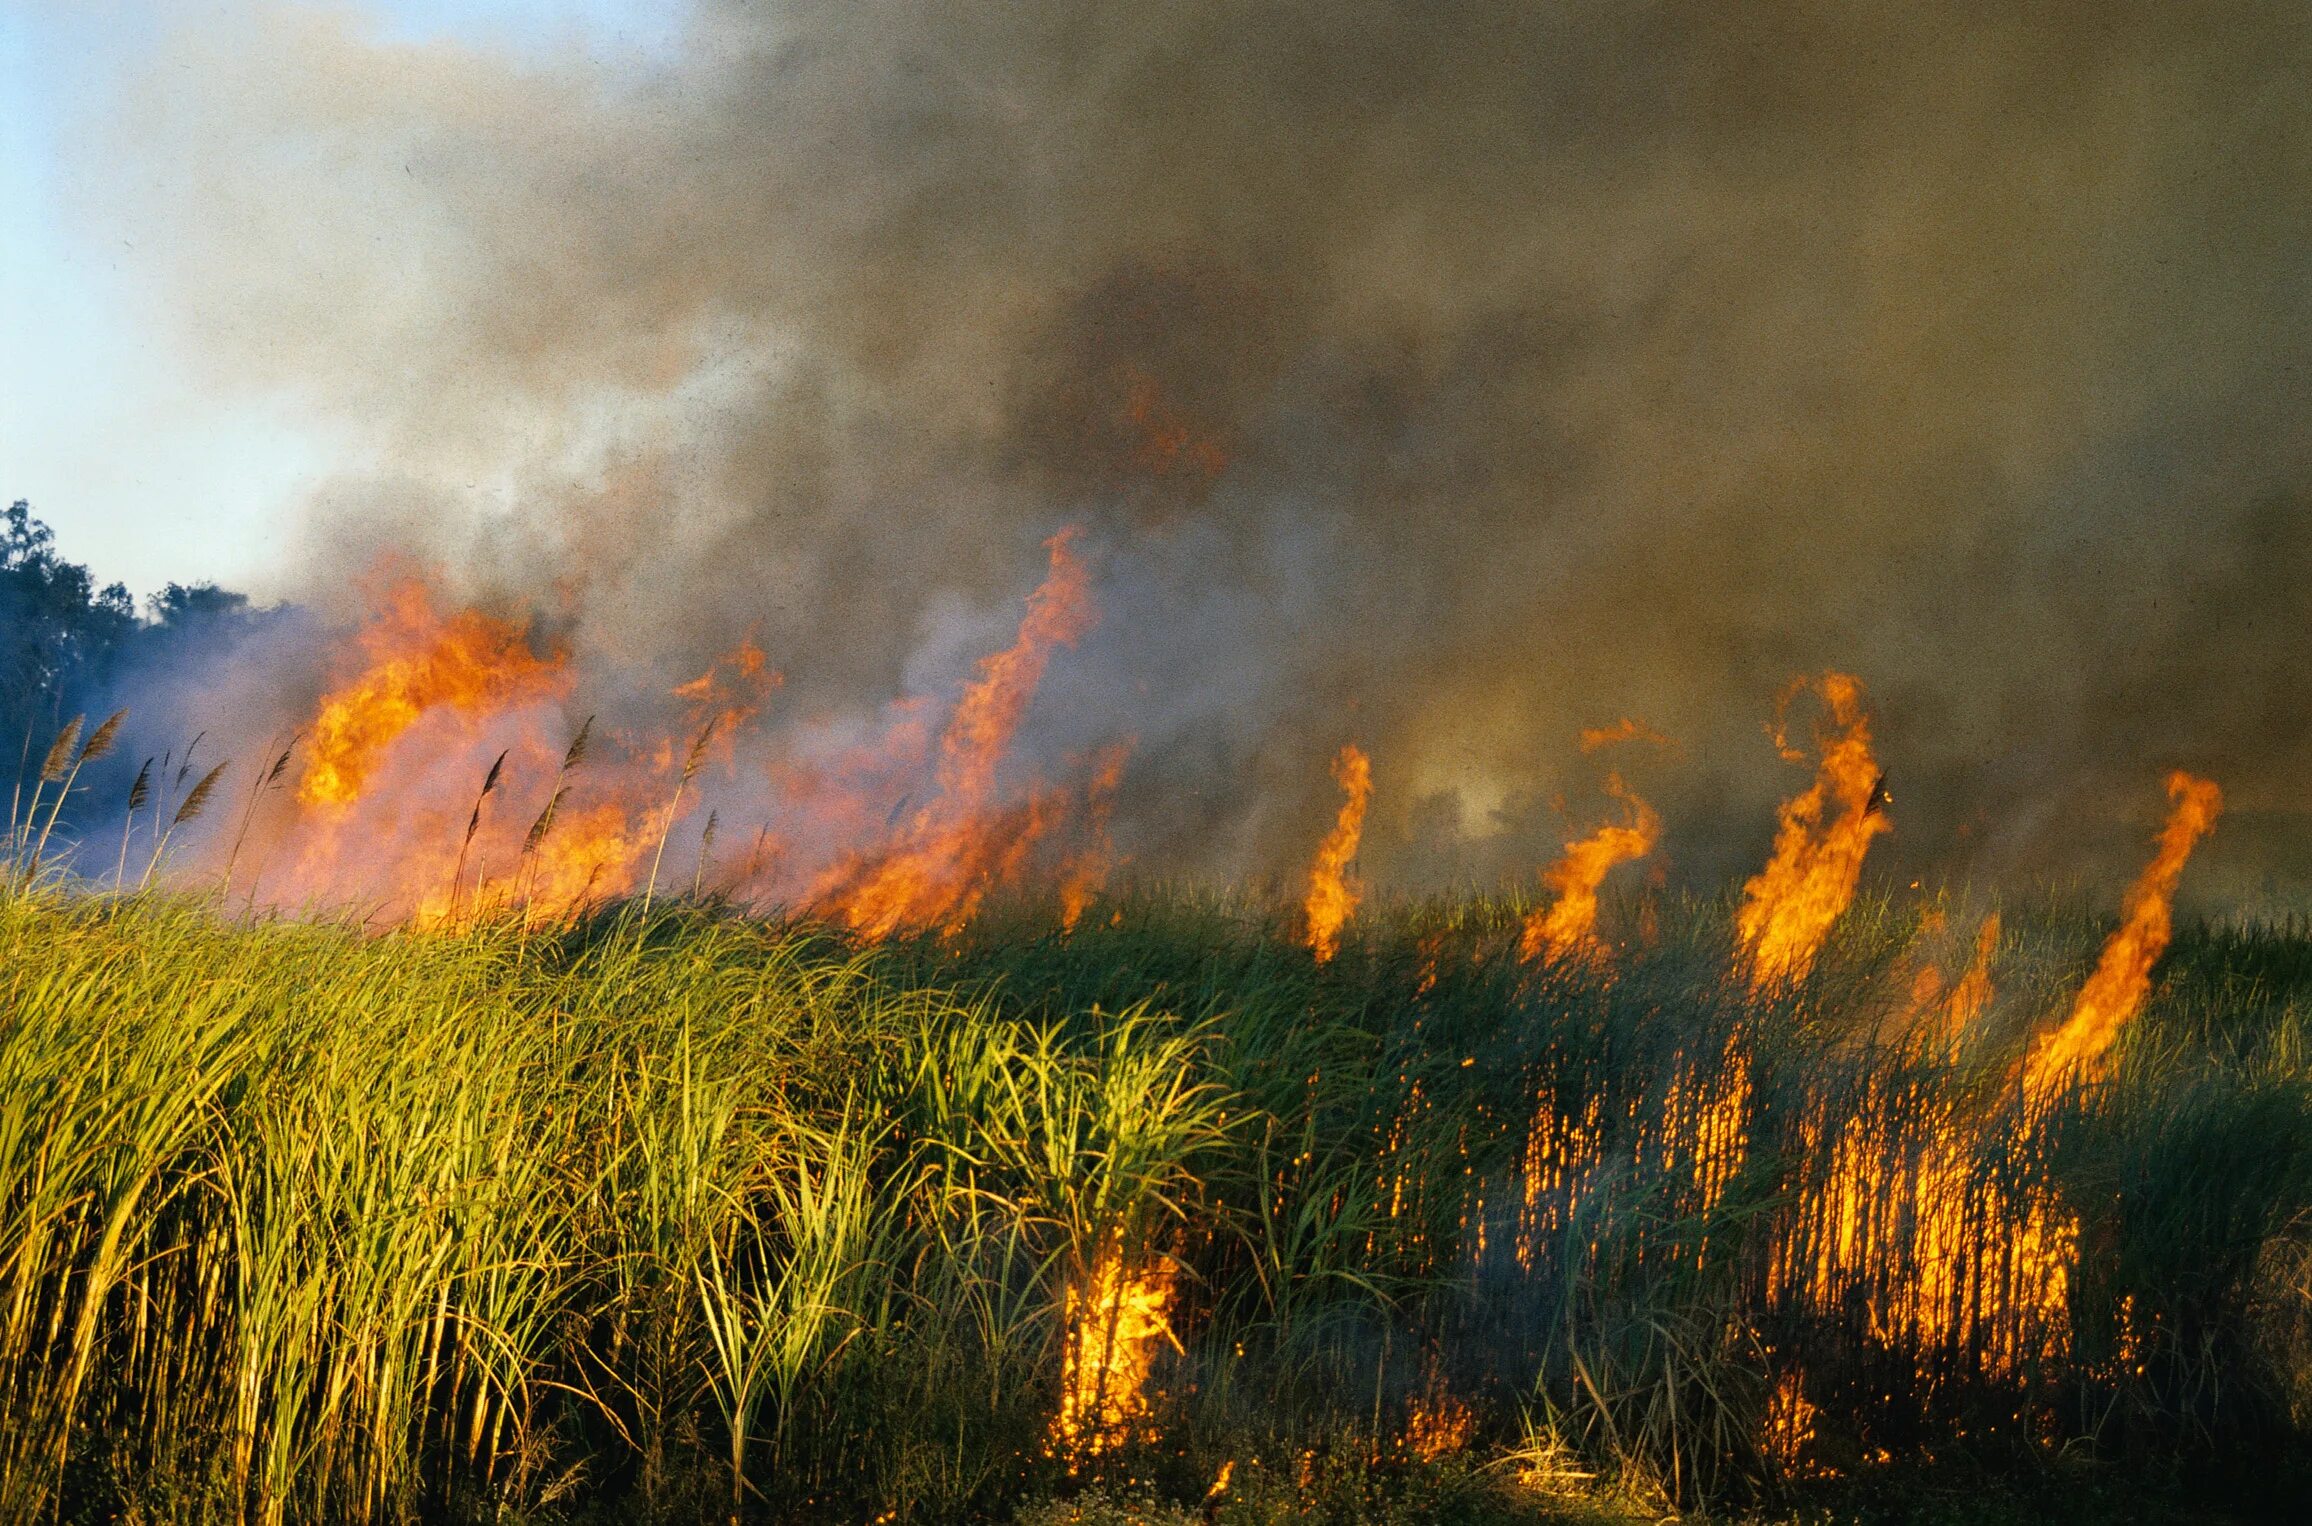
point(149, 470)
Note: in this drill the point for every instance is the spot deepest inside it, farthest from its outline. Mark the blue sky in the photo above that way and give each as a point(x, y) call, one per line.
point(148, 474)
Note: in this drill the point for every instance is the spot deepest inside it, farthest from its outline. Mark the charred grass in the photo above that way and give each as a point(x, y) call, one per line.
point(695, 1216)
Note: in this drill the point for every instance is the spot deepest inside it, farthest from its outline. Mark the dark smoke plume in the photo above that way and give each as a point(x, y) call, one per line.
point(1445, 376)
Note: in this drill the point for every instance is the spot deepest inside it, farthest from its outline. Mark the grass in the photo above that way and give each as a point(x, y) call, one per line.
point(684, 1216)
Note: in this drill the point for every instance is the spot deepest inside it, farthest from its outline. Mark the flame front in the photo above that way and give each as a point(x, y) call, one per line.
point(417, 660)
point(1567, 927)
point(2122, 979)
point(1788, 907)
point(450, 733)
point(1332, 894)
point(1941, 1255)
point(966, 839)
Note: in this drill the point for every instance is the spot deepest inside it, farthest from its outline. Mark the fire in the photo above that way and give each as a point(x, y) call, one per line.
point(966, 838)
point(591, 852)
point(1706, 1123)
point(744, 666)
point(1971, 997)
point(1439, 1422)
point(1168, 444)
point(1333, 895)
point(1788, 907)
point(1087, 871)
point(1789, 1422)
point(417, 660)
point(1624, 730)
point(1567, 928)
point(1114, 1321)
point(2122, 978)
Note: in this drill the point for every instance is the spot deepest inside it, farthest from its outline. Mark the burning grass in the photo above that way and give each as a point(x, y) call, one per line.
point(685, 1215)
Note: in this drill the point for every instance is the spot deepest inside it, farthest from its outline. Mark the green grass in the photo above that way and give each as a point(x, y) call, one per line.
point(689, 1217)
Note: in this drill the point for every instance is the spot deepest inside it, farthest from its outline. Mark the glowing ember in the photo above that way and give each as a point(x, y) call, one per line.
point(417, 660)
point(1115, 1320)
point(1438, 1423)
point(1789, 1422)
point(1567, 927)
point(966, 839)
point(1788, 907)
point(1333, 895)
point(2122, 978)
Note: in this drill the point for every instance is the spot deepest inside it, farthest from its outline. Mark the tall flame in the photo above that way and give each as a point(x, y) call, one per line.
point(1567, 927)
point(2122, 979)
point(966, 838)
point(1114, 1320)
point(1788, 907)
point(1332, 894)
point(417, 660)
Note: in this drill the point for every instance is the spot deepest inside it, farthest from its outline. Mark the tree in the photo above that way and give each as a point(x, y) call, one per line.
point(58, 629)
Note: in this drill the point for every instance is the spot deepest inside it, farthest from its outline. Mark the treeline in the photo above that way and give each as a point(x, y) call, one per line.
point(71, 646)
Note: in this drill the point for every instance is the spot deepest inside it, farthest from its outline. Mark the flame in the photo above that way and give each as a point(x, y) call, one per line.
point(1706, 1123)
point(592, 852)
point(1166, 443)
point(1624, 730)
point(1333, 895)
point(966, 839)
point(1971, 997)
point(1087, 871)
point(745, 664)
point(1438, 1422)
point(2115, 992)
point(1789, 1422)
point(1567, 928)
point(1937, 1013)
point(1114, 1320)
point(417, 660)
point(1940, 1256)
point(1788, 907)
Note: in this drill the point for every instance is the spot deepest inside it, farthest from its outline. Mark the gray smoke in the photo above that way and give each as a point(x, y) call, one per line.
point(1444, 376)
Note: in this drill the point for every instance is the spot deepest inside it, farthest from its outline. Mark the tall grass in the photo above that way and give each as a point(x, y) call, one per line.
point(687, 1216)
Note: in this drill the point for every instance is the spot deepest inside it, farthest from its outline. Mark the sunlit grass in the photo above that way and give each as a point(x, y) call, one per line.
point(687, 1216)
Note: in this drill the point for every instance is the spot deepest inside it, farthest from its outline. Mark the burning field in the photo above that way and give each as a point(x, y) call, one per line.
point(897, 1158)
point(1181, 763)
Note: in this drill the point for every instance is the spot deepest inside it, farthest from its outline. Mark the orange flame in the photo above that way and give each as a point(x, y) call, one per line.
point(1940, 1255)
point(2122, 979)
point(1567, 928)
point(1439, 1422)
point(1624, 730)
point(1114, 1320)
point(1333, 895)
point(1939, 1013)
point(417, 660)
point(1788, 1424)
point(1788, 907)
point(965, 840)
point(1167, 443)
point(1971, 997)
point(1087, 872)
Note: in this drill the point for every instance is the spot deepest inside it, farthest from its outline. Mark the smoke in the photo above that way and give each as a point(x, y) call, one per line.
point(1442, 377)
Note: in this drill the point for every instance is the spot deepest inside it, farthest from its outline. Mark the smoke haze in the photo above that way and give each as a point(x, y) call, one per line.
point(1443, 377)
